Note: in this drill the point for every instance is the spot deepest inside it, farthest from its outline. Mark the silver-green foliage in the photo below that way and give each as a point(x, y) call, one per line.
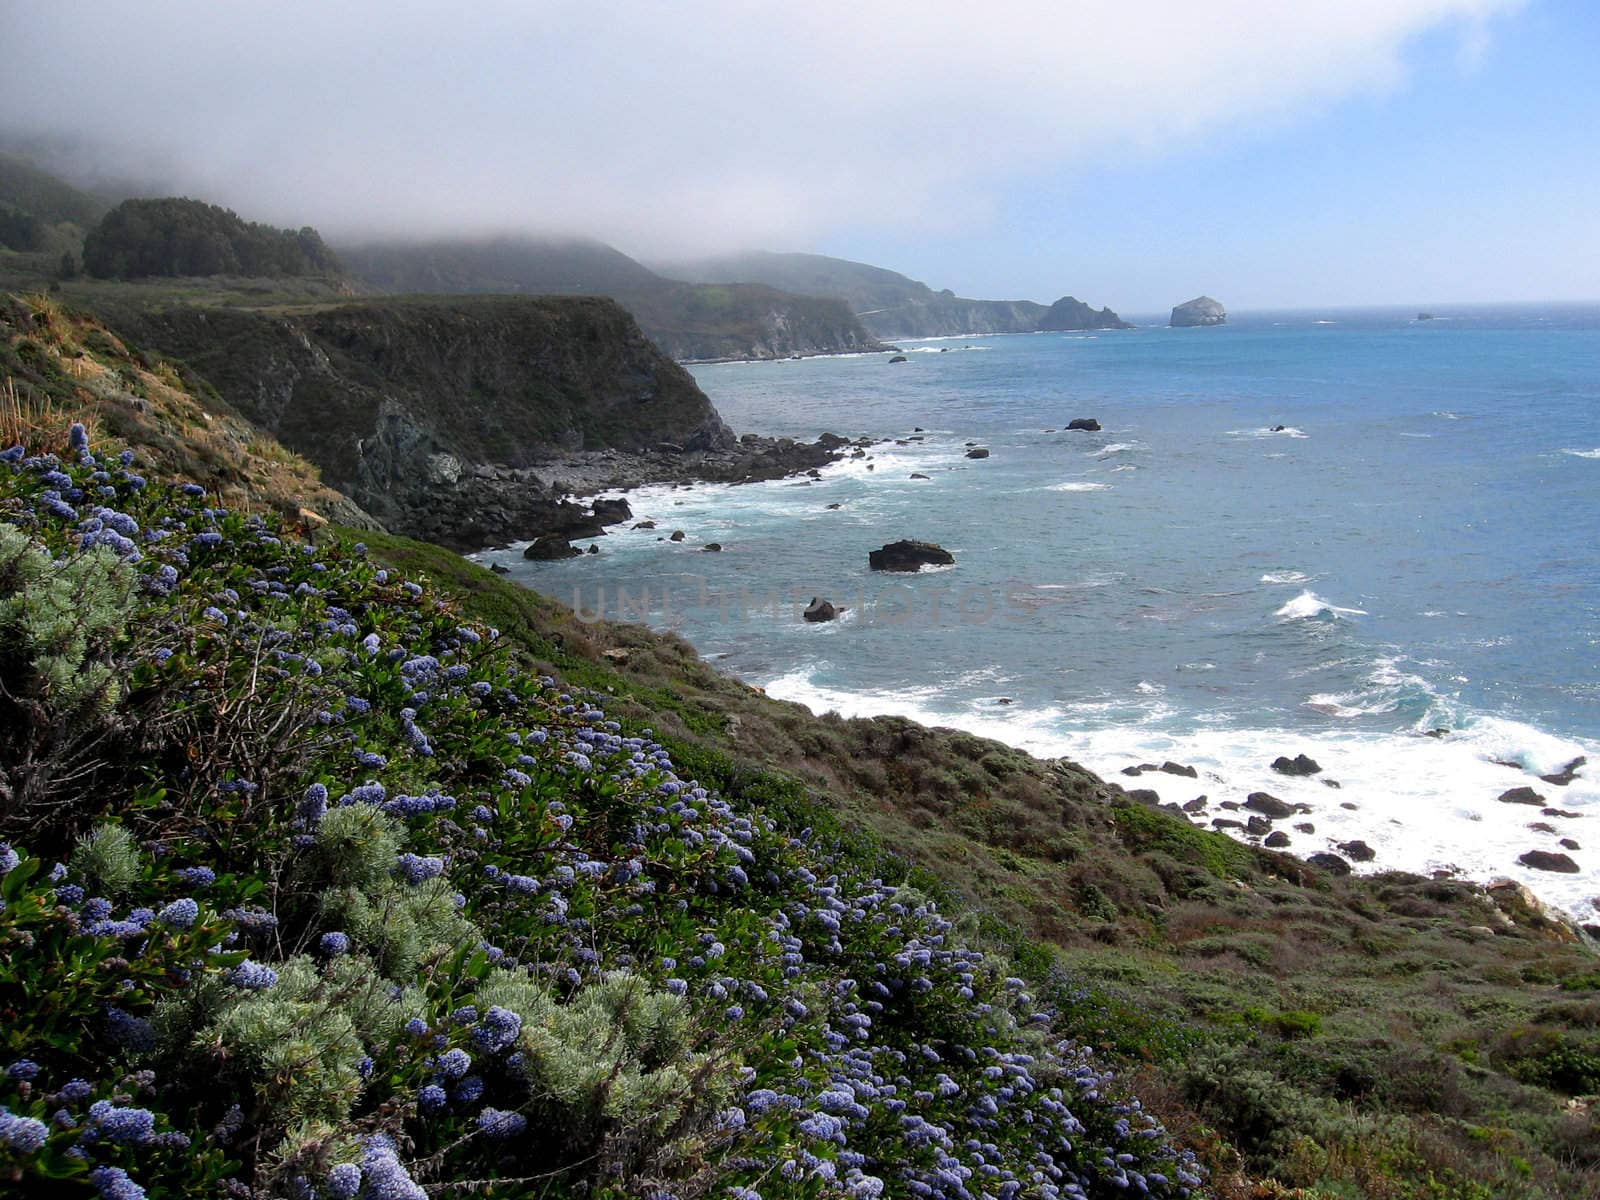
point(60, 616)
point(107, 859)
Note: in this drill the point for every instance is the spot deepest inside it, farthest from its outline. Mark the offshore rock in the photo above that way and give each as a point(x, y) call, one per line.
point(550, 547)
point(1070, 313)
point(1202, 310)
point(1300, 764)
point(1083, 425)
point(1546, 860)
point(1522, 795)
point(1268, 805)
point(820, 610)
point(909, 556)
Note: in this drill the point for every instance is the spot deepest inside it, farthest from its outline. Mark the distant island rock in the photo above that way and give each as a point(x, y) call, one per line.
point(1202, 310)
point(1069, 313)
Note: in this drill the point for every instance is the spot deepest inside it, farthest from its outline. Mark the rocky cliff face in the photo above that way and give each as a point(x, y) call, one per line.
point(437, 416)
point(1071, 313)
point(1202, 310)
point(952, 316)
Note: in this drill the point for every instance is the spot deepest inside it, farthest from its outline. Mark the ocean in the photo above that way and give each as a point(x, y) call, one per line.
point(1355, 535)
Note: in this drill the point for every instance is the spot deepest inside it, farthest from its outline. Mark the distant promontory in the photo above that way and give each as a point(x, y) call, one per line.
point(1202, 310)
point(1071, 313)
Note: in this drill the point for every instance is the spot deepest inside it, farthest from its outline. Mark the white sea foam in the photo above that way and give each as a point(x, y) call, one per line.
point(1116, 448)
point(1422, 803)
point(1445, 414)
point(1287, 431)
point(1583, 453)
point(1308, 605)
point(1079, 487)
point(1285, 577)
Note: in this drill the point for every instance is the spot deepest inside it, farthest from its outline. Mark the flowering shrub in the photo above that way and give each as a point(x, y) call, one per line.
point(362, 910)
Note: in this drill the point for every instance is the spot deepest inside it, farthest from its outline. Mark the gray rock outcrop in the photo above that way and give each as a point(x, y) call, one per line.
point(1202, 310)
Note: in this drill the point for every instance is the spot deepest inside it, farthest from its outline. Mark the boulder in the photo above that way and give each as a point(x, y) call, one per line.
point(1226, 823)
point(1559, 812)
point(1359, 851)
point(645, 525)
point(612, 512)
point(918, 475)
point(1305, 827)
point(1172, 768)
point(677, 536)
point(1198, 804)
point(1268, 806)
point(1567, 773)
point(592, 550)
point(977, 452)
point(1546, 860)
point(1569, 844)
point(1145, 795)
point(1300, 764)
point(820, 610)
point(551, 547)
point(834, 505)
point(909, 556)
point(498, 569)
point(1331, 863)
point(1202, 310)
point(1083, 425)
point(711, 548)
point(1522, 795)
point(898, 358)
point(1277, 840)
point(1258, 825)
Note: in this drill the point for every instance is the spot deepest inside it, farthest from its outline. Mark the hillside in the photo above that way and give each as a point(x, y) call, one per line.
point(889, 304)
point(182, 237)
point(1388, 1036)
point(689, 323)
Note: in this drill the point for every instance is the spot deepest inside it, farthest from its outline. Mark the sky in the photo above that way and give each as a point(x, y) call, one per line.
point(1269, 153)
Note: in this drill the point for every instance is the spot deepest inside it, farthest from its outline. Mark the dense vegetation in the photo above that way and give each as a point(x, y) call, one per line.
point(189, 237)
point(309, 891)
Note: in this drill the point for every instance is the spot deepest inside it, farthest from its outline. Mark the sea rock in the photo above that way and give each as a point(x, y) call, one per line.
point(612, 512)
point(834, 505)
point(1559, 812)
point(1277, 840)
point(1145, 795)
point(1226, 823)
point(1569, 844)
point(1269, 806)
point(820, 610)
point(1083, 425)
point(1300, 764)
point(1305, 827)
point(918, 475)
point(898, 358)
point(1359, 851)
point(977, 452)
point(1522, 795)
point(498, 569)
point(1258, 825)
point(1198, 804)
point(909, 556)
point(711, 548)
point(1070, 313)
point(592, 550)
point(551, 547)
point(1172, 768)
point(1546, 860)
point(645, 525)
point(1202, 310)
point(1567, 773)
point(1331, 863)
point(677, 536)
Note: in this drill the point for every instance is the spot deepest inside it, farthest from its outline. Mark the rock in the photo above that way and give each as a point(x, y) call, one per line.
point(550, 547)
point(1359, 851)
point(820, 610)
point(1438, 731)
point(1269, 806)
point(1202, 310)
point(618, 655)
point(645, 525)
point(1277, 840)
point(918, 475)
point(1349, 804)
point(834, 505)
point(1522, 795)
point(1083, 425)
point(498, 569)
point(898, 358)
point(1331, 863)
point(1305, 827)
point(677, 536)
point(1226, 823)
point(1198, 804)
point(1559, 812)
point(592, 550)
point(1070, 313)
point(1258, 825)
point(1569, 844)
point(1541, 827)
point(1003, 700)
point(1133, 770)
point(711, 548)
point(977, 452)
point(1567, 773)
point(1145, 795)
point(831, 441)
point(1300, 764)
point(1546, 860)
point(612, 512)
point(909, 556)
point(1333, 783)
point(1231, 805)
point(1172, 768)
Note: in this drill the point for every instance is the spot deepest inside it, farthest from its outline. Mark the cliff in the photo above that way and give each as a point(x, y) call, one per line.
point(688, 322)
point(437, 415)
point(1070, 313)
point(889, 305)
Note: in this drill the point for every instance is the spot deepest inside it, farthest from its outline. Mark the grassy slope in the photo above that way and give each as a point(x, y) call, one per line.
point(1350, 1036)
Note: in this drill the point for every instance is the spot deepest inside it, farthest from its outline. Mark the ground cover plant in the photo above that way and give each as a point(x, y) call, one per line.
point(309, 891)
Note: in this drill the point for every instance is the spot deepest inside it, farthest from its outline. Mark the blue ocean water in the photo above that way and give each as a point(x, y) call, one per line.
point(1417, 548)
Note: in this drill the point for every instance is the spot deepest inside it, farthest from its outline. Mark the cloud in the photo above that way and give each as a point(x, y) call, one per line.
point(678, 126)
